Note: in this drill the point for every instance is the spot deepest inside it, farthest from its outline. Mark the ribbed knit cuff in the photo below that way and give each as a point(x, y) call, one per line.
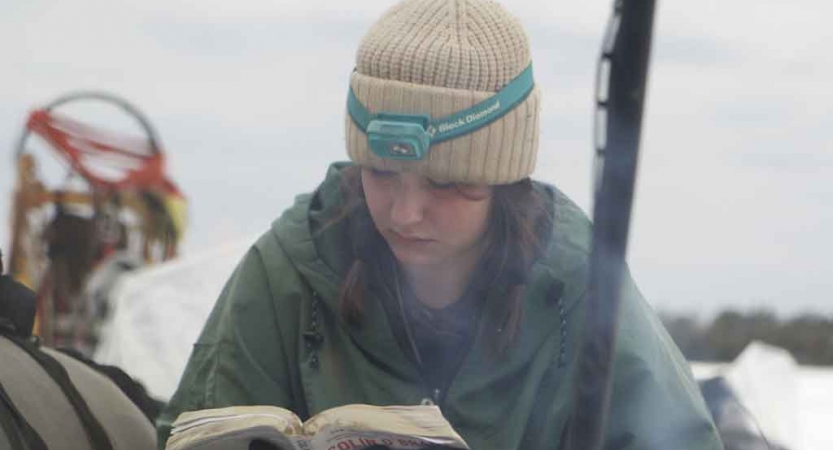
point(503, 152)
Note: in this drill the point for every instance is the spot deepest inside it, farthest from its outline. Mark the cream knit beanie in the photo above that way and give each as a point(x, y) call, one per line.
point(438, 57)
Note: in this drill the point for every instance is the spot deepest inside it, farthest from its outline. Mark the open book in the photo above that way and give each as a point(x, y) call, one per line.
point(349, 427)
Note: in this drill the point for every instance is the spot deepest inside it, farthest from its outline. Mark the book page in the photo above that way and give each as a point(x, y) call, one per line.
point(234, 427)
point(350, 427)
point(340, 438)
point(192, 418)
point(394, 426)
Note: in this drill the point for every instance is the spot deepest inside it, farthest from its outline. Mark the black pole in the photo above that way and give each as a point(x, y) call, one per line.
point(624, 63)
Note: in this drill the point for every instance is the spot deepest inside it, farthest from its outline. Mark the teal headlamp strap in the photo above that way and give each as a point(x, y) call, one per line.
point(419, 132)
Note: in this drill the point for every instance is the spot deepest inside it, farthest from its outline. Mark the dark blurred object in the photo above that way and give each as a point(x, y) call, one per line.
point(71, 248)
point(17, 305)
point(259, 444)
point(134, 390)
point(736, 425)
point(17, 316)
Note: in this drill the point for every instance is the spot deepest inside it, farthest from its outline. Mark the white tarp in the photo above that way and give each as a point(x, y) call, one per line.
point(158, 313)
point(765, 379)
point(791, 404)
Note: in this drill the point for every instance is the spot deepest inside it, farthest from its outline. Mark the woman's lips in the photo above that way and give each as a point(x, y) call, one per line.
point(408, 238)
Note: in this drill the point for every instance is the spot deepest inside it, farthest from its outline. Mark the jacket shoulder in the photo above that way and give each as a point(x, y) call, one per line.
point(283, 280)
point(565, 258)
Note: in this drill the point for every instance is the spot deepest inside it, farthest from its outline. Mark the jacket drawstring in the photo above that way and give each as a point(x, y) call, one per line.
point(313, 339)
point(562, 350)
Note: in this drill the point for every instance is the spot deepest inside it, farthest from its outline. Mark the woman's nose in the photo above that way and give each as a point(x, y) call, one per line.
point(408, 203)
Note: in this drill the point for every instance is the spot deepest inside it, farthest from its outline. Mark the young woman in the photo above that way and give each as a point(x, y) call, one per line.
point(431, 268)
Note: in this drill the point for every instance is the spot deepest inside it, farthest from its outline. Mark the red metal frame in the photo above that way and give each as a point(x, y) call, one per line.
point(74, 140)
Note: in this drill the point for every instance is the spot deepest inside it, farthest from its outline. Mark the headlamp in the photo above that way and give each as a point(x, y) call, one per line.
point(410, 136)
point(399, 136)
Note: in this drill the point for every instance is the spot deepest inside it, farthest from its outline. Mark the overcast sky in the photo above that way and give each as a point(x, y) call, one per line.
point(734, 204)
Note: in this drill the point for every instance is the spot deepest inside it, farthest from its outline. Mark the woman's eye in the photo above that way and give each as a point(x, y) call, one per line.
point(442, 186)
point(378, 173)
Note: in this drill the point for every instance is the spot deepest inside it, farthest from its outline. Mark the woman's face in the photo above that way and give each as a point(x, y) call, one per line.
point(426, 223)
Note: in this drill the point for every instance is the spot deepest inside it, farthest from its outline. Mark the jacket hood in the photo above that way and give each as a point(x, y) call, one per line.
point(321, 255)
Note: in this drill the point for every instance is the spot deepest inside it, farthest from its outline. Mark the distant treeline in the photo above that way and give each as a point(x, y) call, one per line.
point(808, 337)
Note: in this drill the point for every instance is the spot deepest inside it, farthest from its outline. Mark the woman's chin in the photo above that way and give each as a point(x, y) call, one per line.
point(414, 256)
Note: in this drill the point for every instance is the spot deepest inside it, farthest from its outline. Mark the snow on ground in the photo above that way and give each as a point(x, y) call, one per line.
point(815, 395)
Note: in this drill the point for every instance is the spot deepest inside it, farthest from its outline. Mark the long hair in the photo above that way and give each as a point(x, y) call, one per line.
point(518, 225)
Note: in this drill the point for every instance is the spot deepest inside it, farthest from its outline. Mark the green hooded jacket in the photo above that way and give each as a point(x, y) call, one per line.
point(275, 337)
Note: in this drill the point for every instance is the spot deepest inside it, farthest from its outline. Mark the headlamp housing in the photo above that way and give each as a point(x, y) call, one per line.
point(399, 136)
